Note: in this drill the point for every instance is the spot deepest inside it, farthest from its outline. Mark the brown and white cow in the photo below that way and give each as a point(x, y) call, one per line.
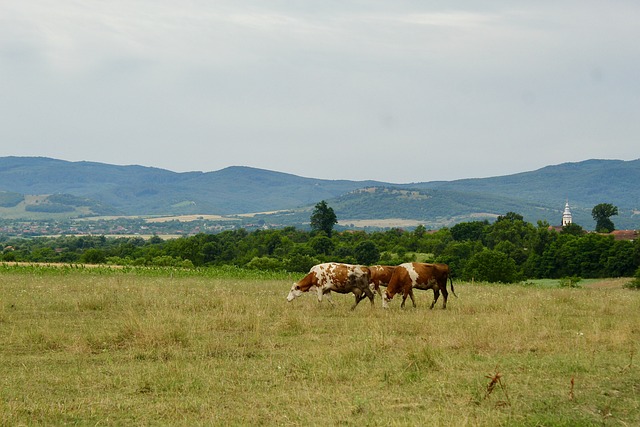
point(418, 275)
point(336, 277)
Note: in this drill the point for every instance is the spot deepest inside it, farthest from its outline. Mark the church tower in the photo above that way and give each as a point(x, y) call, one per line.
point(566, 215)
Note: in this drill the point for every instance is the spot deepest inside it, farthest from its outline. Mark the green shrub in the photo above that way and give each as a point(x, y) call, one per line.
point(93, 256)
point(8, 256)
point(492, 266)
point(265, 263)
point(635, 283)
point(300, 263)
point(570, 282)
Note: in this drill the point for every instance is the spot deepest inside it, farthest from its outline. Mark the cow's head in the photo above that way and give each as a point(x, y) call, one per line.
point(294, 292)
point(385, 299)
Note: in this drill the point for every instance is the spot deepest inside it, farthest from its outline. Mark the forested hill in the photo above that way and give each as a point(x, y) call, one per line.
point(137, 190)
point(88, 188)
point(585, 183)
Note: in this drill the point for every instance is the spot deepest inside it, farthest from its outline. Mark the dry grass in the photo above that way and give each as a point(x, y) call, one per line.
point(126, 349)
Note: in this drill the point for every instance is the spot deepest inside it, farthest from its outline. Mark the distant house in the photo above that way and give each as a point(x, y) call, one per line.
point(624, 234)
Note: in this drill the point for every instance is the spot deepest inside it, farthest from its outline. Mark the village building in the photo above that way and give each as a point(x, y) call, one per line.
point(566, 215)
point(625, 234)
point(567, 219)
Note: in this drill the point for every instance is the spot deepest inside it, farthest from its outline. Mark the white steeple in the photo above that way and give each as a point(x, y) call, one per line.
point(566, 215)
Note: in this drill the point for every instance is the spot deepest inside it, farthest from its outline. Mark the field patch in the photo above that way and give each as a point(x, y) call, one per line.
point(164, 347)
point(607, 283)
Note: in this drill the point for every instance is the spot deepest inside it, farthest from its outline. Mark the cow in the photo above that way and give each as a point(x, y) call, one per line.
point(380, 275)
point(336, 277)
point(417, 275)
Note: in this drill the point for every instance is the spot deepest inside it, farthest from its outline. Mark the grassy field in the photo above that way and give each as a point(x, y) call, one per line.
point(116, 347)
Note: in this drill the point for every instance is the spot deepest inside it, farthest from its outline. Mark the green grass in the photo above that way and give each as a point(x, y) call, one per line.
point(121, 347)
point(421, 256)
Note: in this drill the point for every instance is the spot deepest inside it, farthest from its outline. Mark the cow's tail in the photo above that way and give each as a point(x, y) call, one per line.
point(452, 290)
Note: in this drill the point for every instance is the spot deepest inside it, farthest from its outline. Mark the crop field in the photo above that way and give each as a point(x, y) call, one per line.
point(223, 347)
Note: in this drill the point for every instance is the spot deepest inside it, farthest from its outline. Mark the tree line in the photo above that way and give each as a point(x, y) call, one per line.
point(506, 250)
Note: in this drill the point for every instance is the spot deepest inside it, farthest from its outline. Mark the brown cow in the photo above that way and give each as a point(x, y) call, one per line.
point(420, 276)
point(380, 275)
point(336, 277)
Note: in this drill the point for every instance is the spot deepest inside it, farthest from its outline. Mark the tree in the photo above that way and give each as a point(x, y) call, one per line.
point(323, 218)
point(469, 230)
point(321, 244)
point(367, 253)
point(510, 227)
point(510, 216)
point(601, 214)
point(420, 231)
point(620, 261)
point(457, 254)
point(573, 228)
point(93, 256)
point(492, 266)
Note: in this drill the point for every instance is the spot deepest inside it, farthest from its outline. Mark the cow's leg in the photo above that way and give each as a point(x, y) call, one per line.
point(363, 295)
point(377, 288)
point(409, 294)
point(325, 292)
point(359, 297)
point(436, 295)
point(413, 300)
point(328, 295)
point(445, 296)
point(369, 293)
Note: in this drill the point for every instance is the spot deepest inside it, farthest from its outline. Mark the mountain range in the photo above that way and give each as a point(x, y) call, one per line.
point(45, 188)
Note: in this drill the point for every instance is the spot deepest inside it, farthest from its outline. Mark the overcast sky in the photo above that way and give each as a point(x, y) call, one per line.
point(396, 91)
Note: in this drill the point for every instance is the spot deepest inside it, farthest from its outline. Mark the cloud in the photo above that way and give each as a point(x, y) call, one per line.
point(417, 92)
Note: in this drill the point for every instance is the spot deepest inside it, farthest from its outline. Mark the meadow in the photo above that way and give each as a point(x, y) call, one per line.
point(169, 347)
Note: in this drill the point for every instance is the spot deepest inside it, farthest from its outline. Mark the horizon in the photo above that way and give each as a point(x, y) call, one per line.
point(312, 177)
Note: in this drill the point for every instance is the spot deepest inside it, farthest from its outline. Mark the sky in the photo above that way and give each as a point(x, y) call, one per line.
point(395, 91)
